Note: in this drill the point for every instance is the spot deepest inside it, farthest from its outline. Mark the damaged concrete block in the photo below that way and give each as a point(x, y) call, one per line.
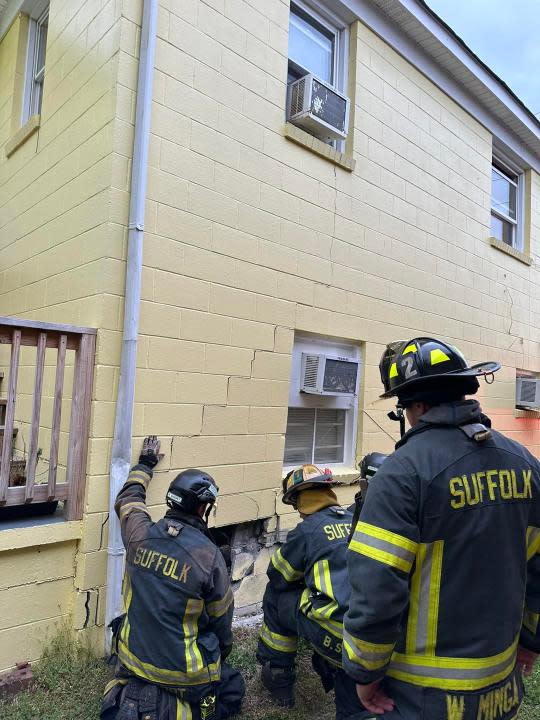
point(242, 565)
point(262, 560)
point(250, 592)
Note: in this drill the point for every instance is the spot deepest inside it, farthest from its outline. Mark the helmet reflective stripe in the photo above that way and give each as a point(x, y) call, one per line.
point(174, 497)
point(410, 348)
point(438, 356)
point(213, 489)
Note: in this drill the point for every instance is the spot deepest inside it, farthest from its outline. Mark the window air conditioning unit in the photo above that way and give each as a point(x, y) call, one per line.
point(528, 393)
point(318, 108)
point(328, 375)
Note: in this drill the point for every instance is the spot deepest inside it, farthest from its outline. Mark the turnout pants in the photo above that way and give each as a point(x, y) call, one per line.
point(134, 699)
point(283, 624)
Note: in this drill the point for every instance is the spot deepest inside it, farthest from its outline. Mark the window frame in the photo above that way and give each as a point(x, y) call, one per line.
point(31, 105)
point(506, 169)
point(304, 342)
point(333, 24)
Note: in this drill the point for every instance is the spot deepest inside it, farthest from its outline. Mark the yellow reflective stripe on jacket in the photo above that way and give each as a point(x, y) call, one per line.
point(533, 542)
point(183, 710)
point(424, 599)
point(285, 568)
point(127, 594)
point(127, 508)
point(371, 656)
point(177, 678)
point(384, 546)
point(281, 643)
point(323, 582)
point(139, 476)
point(194, 661)
point(530, 620)
point(217, 608)
point(448, 673)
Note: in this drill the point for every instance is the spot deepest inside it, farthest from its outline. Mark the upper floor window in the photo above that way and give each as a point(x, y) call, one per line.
point(316, 71)
point(35, 66)
point(506, 197)
point(312, 47)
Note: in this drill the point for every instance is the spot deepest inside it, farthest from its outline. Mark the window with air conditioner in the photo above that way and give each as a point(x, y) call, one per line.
point(527, 390)
point(35, 63)
point(316, 78)
point(507, 203)
point(323, 403)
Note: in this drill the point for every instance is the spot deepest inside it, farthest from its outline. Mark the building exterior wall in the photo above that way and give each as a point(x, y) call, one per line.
point(61, 252)
point(249, 238)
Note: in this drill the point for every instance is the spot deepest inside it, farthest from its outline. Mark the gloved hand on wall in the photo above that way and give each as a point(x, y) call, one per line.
point(150, 455)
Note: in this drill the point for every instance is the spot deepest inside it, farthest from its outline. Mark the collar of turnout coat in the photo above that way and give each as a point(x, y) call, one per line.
point(454, 414)
point(187, 519)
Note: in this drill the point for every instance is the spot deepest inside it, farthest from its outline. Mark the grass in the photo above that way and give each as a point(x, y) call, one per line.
point(69, 681)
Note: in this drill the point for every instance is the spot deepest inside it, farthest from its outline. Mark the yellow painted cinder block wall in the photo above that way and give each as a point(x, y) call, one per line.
point(61, 252)
point(249, 238)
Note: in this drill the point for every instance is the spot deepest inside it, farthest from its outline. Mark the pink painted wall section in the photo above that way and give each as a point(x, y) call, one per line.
point(525, 430)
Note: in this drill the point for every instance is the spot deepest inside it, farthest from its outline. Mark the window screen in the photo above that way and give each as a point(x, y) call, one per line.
point(314, 435)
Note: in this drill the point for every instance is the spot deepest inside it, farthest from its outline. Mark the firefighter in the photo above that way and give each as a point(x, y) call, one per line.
point(369, 466)
point(176, 632)
point(307, 593)
point(444, 562)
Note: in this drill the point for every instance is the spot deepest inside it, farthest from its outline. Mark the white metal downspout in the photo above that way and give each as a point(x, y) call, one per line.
point(121, 449)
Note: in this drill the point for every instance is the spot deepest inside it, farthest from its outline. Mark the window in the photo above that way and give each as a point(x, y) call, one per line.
point(312, 47)
point(315, 435)
point(321, 427)
point(35, 66)
point(506, 198)
point(317, 48)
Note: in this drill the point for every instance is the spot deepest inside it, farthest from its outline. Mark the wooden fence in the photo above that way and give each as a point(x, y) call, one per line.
point(19, 333)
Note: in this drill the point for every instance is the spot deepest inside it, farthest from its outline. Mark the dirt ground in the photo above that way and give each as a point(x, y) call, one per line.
point(70, 680)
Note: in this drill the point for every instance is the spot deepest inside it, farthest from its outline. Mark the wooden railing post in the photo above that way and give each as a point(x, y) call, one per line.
point(36, 411)
point(7, 445)
point(57, 415)
point(79, 426)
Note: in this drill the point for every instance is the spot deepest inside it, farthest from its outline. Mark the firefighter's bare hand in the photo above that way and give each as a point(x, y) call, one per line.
point(150, 454)
point(374, 699)
point(526, 660)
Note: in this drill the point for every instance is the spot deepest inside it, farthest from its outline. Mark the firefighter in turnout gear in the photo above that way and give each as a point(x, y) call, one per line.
point(369, 466)
point(176, 632)
point(444, 562)
point(308, 592)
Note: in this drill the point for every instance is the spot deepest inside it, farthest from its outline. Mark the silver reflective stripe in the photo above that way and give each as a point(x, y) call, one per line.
point(423, 601)
point(369, 655)
point(453, 673)
point(384, 545)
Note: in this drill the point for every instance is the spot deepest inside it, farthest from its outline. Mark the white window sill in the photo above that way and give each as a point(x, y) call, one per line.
point(517, 254)
point(300, 137)
point(22, 135)
point(531, 414)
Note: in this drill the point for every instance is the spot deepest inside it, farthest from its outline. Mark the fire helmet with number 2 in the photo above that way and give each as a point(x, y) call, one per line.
point(428, 369)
